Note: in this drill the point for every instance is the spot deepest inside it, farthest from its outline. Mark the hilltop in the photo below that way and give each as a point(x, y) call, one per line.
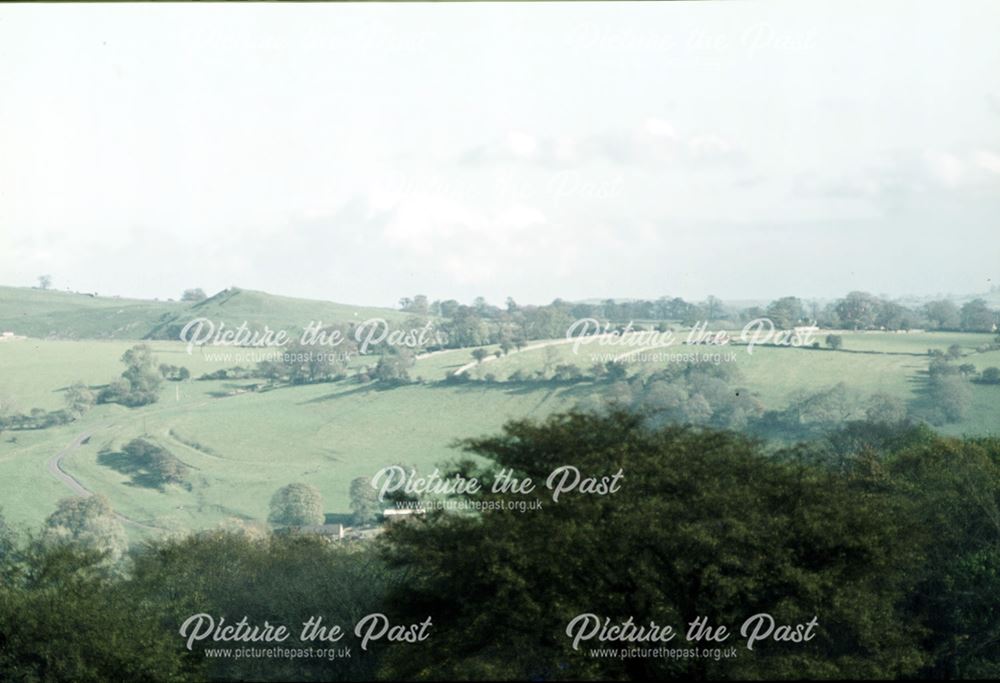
point(65, 315)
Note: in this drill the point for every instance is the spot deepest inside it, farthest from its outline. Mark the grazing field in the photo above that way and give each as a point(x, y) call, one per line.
point(911, 342)
point(242, 445)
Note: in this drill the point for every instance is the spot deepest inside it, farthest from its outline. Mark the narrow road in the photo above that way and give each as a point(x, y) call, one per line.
point(54, 465)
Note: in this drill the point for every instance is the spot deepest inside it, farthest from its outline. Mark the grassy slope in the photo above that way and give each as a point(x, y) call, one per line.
point(41, 314)
point(327, 434)
point(250, 444)
point(257, 309)
point(38, 313)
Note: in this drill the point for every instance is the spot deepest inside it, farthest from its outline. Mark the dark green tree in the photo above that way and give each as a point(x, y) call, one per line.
point(63, 617)
point(705, 524)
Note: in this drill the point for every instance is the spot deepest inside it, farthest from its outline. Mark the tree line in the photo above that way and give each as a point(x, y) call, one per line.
point(482, 323)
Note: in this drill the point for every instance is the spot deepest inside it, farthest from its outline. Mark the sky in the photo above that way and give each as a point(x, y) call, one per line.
point(362, 153)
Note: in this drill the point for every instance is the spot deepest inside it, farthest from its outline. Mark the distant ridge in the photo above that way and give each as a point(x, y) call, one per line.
point(41, 313)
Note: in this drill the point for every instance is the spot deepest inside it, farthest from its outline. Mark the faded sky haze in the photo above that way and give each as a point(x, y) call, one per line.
point(360, 153)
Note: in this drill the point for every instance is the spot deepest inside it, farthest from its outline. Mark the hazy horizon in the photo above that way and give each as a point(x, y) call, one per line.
point(733, 301)
point(362, 153)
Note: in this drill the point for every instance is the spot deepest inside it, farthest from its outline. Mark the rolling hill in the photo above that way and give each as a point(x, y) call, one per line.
point(241, 444)
point(50, 314)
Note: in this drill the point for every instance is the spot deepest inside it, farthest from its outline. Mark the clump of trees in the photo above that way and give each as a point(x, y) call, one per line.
point(153, 464)
point(885, 408)
point(88, 524)
point(976, 316)
point(693, 392)
point(303, 364)
point(814, 414)
point(297, 505)
point(786, 312)
point(393, 366)
point(951, 395)
point(36, 418)
point(948, 394)
point(286, 368)
point(810, 413)
point(418, 304)
point(78, 398)
point(139, 384)
point(990, 375)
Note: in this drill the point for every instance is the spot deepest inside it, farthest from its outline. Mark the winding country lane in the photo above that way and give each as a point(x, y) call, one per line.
point(54, 466)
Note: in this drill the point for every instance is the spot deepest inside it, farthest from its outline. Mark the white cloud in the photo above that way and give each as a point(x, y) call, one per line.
point(988, 161)
point(946, 168)
point(522, 145)
point(654, 141)
point(709, 146)
point(660, 128)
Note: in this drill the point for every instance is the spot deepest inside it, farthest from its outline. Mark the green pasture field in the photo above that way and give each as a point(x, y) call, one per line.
point(242, 445)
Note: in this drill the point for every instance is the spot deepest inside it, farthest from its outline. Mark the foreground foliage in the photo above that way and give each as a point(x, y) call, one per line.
point(888, 534)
